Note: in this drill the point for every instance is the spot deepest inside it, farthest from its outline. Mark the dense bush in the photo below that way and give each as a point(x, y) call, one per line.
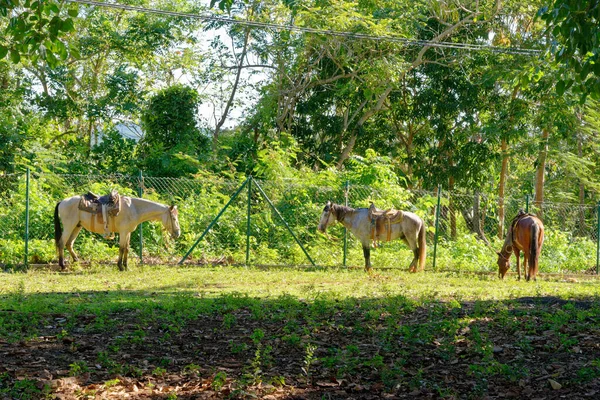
point(297, 194)
point(172, 143)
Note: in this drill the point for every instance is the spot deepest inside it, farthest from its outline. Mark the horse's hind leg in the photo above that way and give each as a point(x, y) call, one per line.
point(526, 265)
point(71, 240)
point(60, 247)
point(415, 262)
point(412, 244)
point(64, 239)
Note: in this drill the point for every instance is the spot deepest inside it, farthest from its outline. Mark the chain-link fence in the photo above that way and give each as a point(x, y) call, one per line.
point(265, 225)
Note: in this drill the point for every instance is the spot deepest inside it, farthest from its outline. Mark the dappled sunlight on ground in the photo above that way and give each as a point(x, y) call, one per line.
point(171, 332)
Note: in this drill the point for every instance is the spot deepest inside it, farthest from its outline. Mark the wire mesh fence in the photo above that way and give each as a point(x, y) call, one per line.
point(264, 225)
point(12, 218)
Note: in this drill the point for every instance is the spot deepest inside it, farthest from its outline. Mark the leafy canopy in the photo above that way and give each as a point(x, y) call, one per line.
point(574, 26)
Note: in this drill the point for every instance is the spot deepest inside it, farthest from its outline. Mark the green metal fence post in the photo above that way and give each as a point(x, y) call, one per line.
point(27, 218)
point(276, 211)
point(141, 227)
point(346, 230)
point(437, 222)
point(527, 204)
point(214, 221)
point(248, 225)
point(598, 239)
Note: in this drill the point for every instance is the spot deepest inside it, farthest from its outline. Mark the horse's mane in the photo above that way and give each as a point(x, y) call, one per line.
point(340, 211)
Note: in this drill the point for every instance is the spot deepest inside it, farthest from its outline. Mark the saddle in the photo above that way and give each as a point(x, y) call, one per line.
point(520, 215)
point(108, 205)
point(381, 221)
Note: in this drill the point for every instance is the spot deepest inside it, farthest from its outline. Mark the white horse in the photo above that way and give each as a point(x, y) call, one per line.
point(133, 212)
point(411, 230)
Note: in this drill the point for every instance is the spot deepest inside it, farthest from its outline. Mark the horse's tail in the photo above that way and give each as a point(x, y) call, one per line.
point(422, 247)
point(533, 250)
point(57, 227)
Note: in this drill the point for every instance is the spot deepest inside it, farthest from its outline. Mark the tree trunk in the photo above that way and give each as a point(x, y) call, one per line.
point(504, 171)
point(452, 209)
point(365, 117)
point(347, 150)
point(501, 189)
point(476, 222)
point(582, 229)
point(540, 173)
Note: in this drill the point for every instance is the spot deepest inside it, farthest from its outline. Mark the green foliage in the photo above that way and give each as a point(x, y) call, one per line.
point(276, 160)
point(78, 368)
point(25, 389)
point(467, 253)
point(37, 30)
point(172, 140)
point(564, 253)
point(372, 170)
point(237, 153)
point(575, 25)
point(115, 153)
point(169, 118)
point(219, 380)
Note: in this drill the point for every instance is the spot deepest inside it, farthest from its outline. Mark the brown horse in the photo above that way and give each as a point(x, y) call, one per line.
point(526, 234)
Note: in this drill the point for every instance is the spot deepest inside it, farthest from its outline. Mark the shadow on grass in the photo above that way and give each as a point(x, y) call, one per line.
point(174, 342)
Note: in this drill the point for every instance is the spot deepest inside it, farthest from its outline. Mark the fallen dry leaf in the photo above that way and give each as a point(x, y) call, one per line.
point(555, 385)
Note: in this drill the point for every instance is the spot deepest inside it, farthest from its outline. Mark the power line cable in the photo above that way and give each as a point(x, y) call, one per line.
point(279, 27)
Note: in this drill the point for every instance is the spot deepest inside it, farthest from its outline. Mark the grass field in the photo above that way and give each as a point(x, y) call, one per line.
point(233, 332)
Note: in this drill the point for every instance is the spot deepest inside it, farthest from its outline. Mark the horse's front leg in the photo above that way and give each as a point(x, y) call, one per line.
point(123, 250)
point(120, 260)
point(367, 254)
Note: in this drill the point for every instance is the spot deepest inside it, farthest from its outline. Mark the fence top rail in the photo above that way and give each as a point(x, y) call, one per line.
point(506, 199)
point(87, 176)
point(551, 203)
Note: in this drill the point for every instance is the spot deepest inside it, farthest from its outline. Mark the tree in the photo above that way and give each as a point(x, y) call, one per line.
point(115, 57)
point(172, 141)
point(574, 29)
point(12, 120)
point(36, 30)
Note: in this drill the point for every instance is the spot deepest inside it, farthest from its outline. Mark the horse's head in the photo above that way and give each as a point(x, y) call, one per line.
point(327, 217)
point(503, 263)
point(170, 221)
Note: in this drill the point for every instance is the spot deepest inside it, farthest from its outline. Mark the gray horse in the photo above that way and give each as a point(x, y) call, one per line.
point(360, 221)
point(133, 212)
